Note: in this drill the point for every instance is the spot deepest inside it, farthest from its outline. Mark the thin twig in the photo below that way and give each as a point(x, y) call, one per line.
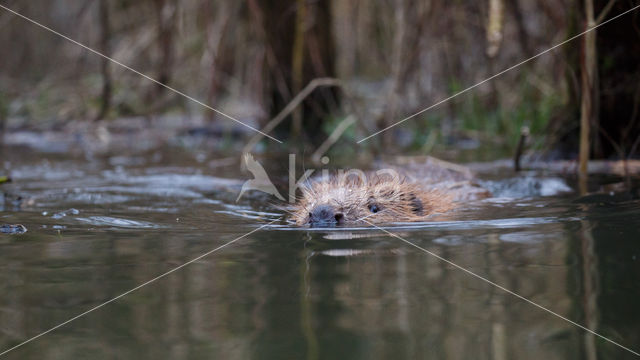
point(605, 11)
point(335, 135)
point(315, 83)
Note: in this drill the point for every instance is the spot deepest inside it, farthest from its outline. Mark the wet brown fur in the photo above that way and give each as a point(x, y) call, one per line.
point(395, 199)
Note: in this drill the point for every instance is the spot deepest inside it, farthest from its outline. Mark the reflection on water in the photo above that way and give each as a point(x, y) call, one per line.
point(286, 292)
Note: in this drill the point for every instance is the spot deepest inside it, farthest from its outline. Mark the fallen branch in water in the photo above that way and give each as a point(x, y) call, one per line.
point(617, 167)
point(603, 167)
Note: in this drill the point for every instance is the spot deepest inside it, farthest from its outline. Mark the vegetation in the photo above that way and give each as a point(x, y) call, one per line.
point(392, 58)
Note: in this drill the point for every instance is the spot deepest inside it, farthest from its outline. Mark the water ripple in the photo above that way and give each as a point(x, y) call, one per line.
point(118, 222)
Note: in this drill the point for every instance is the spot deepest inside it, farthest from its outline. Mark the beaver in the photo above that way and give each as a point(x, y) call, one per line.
point(395, 194)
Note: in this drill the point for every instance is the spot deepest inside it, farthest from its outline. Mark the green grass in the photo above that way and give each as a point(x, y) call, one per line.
point(494, 126)
point(472, 116)
point(531, 110)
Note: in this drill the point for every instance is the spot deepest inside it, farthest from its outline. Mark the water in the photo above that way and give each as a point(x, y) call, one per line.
point(99, 228)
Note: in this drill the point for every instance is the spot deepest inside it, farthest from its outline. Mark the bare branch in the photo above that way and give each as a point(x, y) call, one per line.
point(315, 83)
point(605, 11)
point(333, 138)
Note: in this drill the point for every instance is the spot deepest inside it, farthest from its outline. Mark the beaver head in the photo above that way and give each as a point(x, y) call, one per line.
point(376, 200)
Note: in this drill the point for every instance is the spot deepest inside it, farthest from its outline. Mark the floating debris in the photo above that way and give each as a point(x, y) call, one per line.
point(13, 229)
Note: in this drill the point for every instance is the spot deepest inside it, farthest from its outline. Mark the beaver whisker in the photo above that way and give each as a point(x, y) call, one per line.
point(310, 192)
point(291, 213)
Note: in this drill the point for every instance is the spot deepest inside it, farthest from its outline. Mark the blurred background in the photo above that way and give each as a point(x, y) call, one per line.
point(380, 61)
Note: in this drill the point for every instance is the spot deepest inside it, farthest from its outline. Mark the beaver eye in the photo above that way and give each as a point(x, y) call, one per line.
point(374, 208)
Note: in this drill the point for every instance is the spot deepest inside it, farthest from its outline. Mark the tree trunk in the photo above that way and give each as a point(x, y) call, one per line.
point(523, 37)
point(588, 75)
point(398, 67)
point(165, 14)
point(297, 62)
point(299, 40)
point(217, 28)
point(105, 36)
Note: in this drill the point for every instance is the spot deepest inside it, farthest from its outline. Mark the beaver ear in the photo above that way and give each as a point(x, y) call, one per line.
point(416, 205)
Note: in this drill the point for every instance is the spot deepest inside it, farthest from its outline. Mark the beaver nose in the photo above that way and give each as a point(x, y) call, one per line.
point(323, 216)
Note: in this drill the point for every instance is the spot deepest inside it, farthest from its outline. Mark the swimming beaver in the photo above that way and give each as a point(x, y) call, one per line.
point(412, 194)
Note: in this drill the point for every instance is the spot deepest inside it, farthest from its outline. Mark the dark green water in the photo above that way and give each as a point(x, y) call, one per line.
point(99, 228)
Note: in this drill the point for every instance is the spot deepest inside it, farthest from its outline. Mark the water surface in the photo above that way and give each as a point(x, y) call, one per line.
point(99, 227)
